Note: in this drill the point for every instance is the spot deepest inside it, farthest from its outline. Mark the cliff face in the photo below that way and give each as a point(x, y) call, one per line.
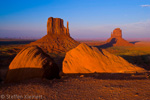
point(56, 26)
point(58, 37)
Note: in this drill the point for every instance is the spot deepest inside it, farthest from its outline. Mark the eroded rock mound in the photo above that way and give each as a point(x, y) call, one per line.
point(32, 62)
point(84, 59)
point(58, 37)
point(116, 39)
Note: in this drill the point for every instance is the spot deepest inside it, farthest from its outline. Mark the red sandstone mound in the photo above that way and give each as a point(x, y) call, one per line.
point(58, 37)
point(84, 59)
point(32, 62)
point(116, 39)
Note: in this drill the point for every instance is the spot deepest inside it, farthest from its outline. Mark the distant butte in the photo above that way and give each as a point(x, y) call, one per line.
point(116, 39)
point(117, 33)
point(58, 38)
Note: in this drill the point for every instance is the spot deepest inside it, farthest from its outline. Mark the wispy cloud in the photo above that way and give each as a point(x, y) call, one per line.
point(145, 5)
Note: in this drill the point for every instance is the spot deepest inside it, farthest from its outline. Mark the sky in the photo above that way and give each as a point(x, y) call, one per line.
point(88, 19)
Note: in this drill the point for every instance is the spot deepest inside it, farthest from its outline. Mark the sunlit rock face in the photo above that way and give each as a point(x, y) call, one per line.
point(116, 39)
point(117, 33)
point(58, 38)
point(85, 59)
point(32, 62)
point(56, 26)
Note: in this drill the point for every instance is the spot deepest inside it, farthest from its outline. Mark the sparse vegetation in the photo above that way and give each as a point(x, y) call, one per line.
point(130, 51)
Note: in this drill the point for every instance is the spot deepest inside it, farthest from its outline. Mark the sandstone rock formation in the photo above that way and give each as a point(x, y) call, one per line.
point(56, 26)
point(58, 37)
point(32, 62)
point(117, 33)
point(116, 39)
point(84, 59)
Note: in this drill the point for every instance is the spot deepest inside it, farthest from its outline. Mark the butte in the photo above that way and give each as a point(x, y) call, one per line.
point(116, 39)
point(58, 39)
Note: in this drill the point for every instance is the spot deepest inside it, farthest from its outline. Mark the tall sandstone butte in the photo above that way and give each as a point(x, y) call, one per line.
point(56, 26)
point(58, 38)
point(117, 33)
point(116, 39)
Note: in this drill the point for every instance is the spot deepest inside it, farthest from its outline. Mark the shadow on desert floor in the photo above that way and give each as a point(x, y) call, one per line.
point(112, 76)
point(134, 42)
point(107, 45)
point(140, 60)
point(15, 75)
point(111, 43)
point(15, 42)
point(66, 77)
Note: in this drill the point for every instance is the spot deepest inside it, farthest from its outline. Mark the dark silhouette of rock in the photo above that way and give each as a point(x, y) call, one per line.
point(116, 39)
point(84, 59)
point(58, 37)
point(32, 62)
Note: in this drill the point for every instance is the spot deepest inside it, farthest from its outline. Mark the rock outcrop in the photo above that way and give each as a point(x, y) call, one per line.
point(58, 37)
point(116, 39)
point(56, 26)
point(117, 33)
point(32, 62)
point(85, 59)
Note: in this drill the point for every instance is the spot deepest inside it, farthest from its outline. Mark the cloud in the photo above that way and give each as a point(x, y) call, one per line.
point(145, 5)
point(138, 29)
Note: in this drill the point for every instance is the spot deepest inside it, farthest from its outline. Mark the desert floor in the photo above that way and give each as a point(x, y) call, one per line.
point(81, 86)
point(85, 87)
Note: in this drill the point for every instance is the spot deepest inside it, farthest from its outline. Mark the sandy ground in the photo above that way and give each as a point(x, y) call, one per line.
point(77, 87)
